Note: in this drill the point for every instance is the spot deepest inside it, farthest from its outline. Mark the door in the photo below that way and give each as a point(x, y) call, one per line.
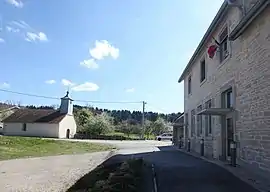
point(68, 133)
point(229, 135)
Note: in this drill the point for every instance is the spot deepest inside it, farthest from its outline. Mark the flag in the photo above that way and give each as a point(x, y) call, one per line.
point(213, 48)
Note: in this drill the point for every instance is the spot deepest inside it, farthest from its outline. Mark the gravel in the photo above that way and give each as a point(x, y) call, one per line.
point(47, 174)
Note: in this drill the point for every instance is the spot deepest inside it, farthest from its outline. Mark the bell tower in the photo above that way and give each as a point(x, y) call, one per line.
point(66, 106)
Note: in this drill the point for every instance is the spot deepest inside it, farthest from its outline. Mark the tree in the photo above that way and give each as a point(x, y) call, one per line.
point(148, 128)
point(82, 118)
point(159, 126)
point(98, 124)
point(126, 128)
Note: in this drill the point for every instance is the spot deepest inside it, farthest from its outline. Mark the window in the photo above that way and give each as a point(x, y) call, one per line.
point(203, 71)
point(229, 99)
point(24, 127)
point(186, 118)
point(199, 121)
point(208, 119)
point(223, 38)
point(192, 123)
point(189, 85)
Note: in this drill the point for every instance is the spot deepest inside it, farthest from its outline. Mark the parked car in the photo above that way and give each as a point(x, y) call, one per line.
point(165, 136)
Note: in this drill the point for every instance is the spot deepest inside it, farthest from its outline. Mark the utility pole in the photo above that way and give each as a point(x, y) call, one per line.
point(143, 118)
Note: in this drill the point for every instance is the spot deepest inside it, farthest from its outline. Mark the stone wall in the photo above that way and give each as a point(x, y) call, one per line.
point(247, 69)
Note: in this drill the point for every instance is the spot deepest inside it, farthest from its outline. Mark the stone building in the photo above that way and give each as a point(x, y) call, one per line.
point(227, 97)
point(178, 129)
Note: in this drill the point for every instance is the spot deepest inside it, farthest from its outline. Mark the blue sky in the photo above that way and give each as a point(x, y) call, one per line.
point(131, 50)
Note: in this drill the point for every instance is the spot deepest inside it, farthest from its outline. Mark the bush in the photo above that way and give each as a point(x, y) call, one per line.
point(84, 135)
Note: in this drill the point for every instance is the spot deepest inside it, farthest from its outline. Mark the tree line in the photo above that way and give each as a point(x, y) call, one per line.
point(120, 115)
point(95, 121)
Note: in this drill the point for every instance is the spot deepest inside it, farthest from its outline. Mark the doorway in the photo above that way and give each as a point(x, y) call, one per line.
point(68, 133)
point(229, 135)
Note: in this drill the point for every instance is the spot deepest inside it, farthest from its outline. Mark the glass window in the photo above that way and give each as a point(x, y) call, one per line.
point(199, 121)
point(223, 44)
point(192, 123)
point(208, 119)
point(189, 85)
point(24, 127)
point(229, 99)
point(203, 71)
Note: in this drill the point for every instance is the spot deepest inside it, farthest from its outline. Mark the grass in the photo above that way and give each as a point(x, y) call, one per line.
point(134, 136)
point(22, 147)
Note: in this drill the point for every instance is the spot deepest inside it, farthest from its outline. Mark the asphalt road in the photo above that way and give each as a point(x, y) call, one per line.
point(177, 171)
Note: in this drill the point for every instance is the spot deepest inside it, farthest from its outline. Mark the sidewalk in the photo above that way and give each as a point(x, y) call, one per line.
point(260, 183)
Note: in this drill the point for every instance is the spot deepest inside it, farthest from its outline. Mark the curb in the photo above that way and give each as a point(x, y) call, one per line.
point(232, 170)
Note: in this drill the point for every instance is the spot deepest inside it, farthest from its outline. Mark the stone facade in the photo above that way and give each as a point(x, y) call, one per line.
point(246, 71)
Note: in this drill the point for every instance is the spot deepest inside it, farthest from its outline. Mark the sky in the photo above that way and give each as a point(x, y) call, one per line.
point(100, 50)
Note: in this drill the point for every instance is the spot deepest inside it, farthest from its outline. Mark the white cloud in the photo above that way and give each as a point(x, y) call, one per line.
point(130, 90)
point(87, 86)
point(31, 36)
point(66, 82)
point(2, 40)
point(21, 24)
point(5, 85)
point(104, 49)
point(26, 31)
point(13, 30)
point(90, 64)
point(16, 3)
point(50, 81)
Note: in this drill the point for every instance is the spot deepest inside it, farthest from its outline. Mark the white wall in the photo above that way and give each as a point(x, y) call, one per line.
point(1, 127)
point(67, 123)
point(32, 129)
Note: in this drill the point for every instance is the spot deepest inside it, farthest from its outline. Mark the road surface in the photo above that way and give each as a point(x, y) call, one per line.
point(177, 171)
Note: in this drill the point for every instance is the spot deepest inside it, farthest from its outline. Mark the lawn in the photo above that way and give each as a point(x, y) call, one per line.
point(22, 147)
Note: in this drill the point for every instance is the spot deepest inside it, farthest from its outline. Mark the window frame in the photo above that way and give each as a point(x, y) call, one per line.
point(192, 123)
point(202, 76)
point(24, 127)
point(208, 119)
point(228, 92)
point(189, 85)
point(224, 40)
point(199, 122)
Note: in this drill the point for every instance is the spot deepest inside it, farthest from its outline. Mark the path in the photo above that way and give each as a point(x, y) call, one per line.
point(46, 174)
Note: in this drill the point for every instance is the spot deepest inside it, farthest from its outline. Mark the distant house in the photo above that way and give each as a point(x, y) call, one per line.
point(42, 122)
point(5, 111)
point(178, 129)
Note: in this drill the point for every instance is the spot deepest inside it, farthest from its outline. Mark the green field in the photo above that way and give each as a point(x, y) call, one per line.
point(22, 147)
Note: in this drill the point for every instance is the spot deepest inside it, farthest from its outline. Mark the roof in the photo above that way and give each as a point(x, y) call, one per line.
point(35, 116)
point(248, 18)
point(67, 96)
point(179, 119)
point(209, 31)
